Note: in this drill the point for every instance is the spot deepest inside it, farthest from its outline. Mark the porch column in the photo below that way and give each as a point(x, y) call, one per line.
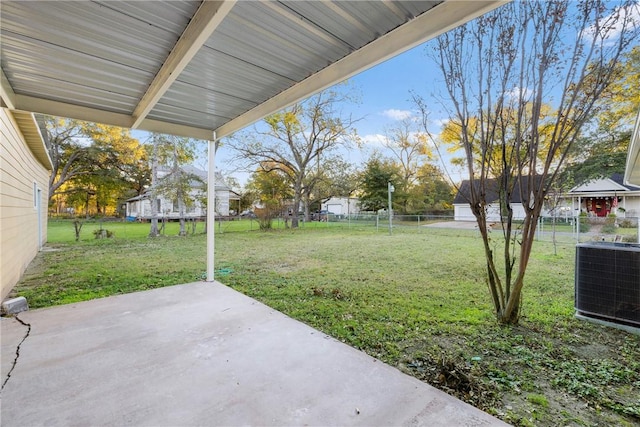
point(211, 208)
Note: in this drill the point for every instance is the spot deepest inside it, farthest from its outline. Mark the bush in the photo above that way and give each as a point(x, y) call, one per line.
point(103, 233)
point(626, 223)
point(584, 226)
point(610, 226)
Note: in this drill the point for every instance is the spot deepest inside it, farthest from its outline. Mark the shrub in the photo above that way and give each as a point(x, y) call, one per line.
point(103, 233)
point(609, 226)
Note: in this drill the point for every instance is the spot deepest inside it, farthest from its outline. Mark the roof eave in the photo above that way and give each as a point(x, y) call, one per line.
point(632, 169)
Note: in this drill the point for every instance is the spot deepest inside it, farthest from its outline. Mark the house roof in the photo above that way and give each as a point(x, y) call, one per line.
point(632, 170)
point(613, 183)
point(32, 129)
point(492, 189)
point(196, 67)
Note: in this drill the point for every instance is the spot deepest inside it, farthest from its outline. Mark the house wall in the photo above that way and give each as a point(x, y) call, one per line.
point(142, 208)
point(462, 212)
point(631, 204)
point(341, 205)
point(24, 186)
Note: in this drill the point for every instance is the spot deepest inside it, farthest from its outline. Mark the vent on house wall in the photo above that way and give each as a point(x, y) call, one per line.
point(608, 281)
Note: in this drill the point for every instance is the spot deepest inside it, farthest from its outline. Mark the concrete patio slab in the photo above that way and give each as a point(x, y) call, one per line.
point(202, 354)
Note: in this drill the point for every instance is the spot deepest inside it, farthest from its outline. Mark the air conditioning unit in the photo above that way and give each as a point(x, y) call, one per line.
point(608, 282)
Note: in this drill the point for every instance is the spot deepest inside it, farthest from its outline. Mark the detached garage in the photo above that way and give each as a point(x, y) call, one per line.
point(462, 208)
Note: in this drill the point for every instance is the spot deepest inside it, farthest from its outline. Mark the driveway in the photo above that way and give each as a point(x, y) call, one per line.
point(202, 354)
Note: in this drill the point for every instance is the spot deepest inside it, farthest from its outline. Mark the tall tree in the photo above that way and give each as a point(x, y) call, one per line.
point(95, 160)
point(374, 182)
point(410, 148)
point(603, 151)
point(336, 178)
point(500, 70)
point(67, 151)
point(171, 153)
point(120, 163)
point(297, 138)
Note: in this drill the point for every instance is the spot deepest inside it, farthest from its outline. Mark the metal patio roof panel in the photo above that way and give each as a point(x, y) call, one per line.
point(89, 29)
point(24, 57)
point(369, 18)
point(241, 79)
point(134, 63)
point(194, 98)
point(262, 49)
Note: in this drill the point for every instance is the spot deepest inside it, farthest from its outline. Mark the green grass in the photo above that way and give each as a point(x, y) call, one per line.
point(415, 299)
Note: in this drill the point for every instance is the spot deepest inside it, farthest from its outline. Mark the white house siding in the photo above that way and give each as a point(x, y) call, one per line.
point(631, 205)
point(24, 181)
point(141, 208)
point(462, 212)
point(342, 205)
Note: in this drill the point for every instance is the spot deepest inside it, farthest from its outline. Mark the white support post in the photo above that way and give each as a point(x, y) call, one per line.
point(211, 208)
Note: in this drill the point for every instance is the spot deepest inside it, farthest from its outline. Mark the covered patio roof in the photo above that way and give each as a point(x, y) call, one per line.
point(193, 68)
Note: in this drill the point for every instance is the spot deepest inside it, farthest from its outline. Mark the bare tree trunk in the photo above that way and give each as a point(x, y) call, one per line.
point(296, 202)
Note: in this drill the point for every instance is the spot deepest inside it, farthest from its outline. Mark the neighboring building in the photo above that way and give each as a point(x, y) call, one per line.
point(140, 207)
point(25, 168)
point(600, 197)
point(341, 205)
point(462, 208)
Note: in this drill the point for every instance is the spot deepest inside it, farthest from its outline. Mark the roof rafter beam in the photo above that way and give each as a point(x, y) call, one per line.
point(430, 24)
point(89, 114)
point(202, 25)
point(7, 95)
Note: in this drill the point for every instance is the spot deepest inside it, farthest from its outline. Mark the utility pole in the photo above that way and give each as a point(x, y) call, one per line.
point(390, 189)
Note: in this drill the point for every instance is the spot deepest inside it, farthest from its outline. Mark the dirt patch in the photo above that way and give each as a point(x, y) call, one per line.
point(592, 351)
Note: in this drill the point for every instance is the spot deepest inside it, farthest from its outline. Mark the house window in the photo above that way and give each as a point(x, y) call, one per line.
point(176, 208)
point(35, 195)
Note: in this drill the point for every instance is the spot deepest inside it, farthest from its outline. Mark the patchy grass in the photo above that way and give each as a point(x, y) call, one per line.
point(416, 300)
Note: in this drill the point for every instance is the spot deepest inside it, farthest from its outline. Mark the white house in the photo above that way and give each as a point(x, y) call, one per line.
point(25, 167)
point(140, 207)
point(600, 197)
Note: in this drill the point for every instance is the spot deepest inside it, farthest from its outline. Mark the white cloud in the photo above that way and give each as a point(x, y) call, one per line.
point(611, 26)
point(517, 92)
point(395, 114)
point(372, 140)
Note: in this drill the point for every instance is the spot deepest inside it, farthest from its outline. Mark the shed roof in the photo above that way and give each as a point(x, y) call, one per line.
point(194, 67)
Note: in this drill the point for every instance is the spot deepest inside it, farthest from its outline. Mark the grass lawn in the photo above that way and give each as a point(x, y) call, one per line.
point(416, 300)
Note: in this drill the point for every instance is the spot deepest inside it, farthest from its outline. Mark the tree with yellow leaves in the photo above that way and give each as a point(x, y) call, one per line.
point(298, 142)
point(500, 71)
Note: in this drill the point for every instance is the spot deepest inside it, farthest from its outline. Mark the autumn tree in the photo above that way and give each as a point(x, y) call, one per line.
point(271, 188)
point(120, 165)
point(68, 152)
point(603, 151)
point(410, 150)
point(297, 140)
point(93, 160)
point(501, 70)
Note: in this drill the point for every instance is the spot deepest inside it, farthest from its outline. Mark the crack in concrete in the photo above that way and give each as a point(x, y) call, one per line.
point(15, 360)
